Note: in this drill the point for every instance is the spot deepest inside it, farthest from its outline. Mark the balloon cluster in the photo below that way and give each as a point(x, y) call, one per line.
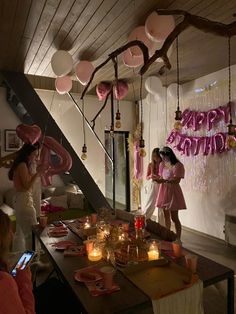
point(62, 65)
point(31, 134)
point(152, 34)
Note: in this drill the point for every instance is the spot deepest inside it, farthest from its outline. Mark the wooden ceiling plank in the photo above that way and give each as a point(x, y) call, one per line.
point(8, 11)
point(29, 30)
point(72, 18)
point(47, 15)
point(132, 15)
point(22, 13)
point(59, 18)
point(119, 8)
point(88, 13)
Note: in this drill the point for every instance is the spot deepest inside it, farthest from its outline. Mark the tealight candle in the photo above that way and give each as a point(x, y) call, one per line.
point(153, 250)
point(153, 255)
point(95, 255)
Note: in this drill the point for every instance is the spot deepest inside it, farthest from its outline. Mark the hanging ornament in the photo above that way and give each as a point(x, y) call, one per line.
point(118, 123)
point(142, 152)
point(178, 113)
point(231, 138)
point(84, 148)
point(84, 152)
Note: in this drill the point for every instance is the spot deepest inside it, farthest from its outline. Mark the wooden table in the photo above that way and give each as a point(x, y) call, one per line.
point(129, 299)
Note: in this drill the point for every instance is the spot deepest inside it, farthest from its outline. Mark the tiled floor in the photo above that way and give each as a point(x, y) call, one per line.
point(217, 250)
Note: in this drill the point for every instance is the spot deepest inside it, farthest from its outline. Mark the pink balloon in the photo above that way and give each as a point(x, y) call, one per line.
point(219, 142)
point(64, 164)
point(83, 71)
point(212, 116)
point(29, 134)
point(63, 84)
point(187, 144)
point(199, 119)
point(130, 60)
point(197, 144)
point(139, 34)
point(103, 89)
point(158, 27)
point(121, 89)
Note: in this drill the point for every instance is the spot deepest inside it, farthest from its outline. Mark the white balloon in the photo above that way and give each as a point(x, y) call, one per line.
point(153, 85)
point(151, 98)
point(62, 63)
point(172, 90)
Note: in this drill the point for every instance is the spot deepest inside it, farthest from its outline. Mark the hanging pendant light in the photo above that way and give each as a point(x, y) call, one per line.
point(84, 148)
point(231, 137)
point(118, 115)
point(178, 112)
point(142, 152)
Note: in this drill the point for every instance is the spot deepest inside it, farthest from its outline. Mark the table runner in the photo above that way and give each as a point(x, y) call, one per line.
point(172, 288)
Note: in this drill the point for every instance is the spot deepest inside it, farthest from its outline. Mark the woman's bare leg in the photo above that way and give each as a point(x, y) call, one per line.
point(175, 219)
point(167, 218)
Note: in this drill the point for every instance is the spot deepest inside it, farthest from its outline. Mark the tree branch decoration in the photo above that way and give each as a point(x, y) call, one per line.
point(203, 24)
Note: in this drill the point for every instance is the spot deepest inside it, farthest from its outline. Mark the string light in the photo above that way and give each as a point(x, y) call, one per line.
point(178, 112)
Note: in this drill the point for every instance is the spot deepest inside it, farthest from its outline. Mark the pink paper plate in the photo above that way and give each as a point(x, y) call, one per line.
point(79, 275)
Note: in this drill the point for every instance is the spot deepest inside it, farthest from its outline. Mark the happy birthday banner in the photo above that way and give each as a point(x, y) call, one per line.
point(192, 145)
point(196, 119)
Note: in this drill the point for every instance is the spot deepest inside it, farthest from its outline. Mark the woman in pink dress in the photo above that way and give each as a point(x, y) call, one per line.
point(170, 197)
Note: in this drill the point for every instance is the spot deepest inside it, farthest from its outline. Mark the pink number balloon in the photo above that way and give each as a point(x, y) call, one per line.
point(64, 164)
point(83, 71)
point(158, 27)
point(63, 84)
point(139, 34)
point(28, 133)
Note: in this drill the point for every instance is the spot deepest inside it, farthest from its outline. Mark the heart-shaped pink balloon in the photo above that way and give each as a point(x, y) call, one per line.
point(121, 89)
point(103, 89)
point(29, 134)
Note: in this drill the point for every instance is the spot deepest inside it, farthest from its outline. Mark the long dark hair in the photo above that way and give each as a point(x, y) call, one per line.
point(167, 151)
point(154, 163)
point(5, 227)
point(22, 156)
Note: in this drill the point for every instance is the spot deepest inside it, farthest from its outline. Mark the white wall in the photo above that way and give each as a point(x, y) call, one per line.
point(209, 185)
point(8, 120)
point(69, 120)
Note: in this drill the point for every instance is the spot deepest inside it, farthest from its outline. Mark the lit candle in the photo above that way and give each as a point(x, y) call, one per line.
point(153, 255)
point(95, 255)
point(87, 225)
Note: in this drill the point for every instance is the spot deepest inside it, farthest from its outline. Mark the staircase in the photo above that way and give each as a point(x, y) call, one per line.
point(25, 102)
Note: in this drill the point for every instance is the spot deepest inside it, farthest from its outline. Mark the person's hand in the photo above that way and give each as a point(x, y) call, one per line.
point(41, 169)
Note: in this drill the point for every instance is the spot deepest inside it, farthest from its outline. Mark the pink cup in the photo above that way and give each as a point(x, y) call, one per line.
point(43, 220)
point(177, 249)
point(191, 262)
point(89, 245)
point(107, 274)
point(94, 218)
